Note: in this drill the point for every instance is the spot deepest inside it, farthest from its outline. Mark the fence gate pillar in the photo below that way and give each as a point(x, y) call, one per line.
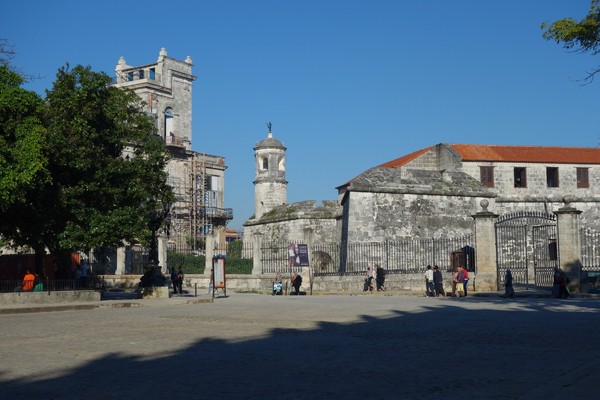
point(308, 230)
point(121, 261)
point(209, 252)
point(485, 249)
point(569, 243)
point(256, 253)
point(162, 253)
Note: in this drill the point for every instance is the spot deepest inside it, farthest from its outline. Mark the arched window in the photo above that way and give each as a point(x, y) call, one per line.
point(265, 163)
point(169, 123)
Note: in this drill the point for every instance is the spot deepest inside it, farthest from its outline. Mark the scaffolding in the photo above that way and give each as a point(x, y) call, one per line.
point(197, 212)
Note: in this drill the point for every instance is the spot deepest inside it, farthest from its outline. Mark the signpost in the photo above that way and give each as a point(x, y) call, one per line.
point(217, 276)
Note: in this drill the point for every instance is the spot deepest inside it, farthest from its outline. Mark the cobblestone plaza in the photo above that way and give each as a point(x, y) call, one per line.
point(251, 346)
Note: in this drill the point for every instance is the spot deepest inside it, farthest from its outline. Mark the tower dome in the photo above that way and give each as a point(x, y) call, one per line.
point(270, 186)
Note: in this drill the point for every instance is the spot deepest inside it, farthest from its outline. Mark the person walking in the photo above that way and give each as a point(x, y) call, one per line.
point(180, 277)
point(438, 282)
point(174, 279)
point(380, 278)
point(561, 280)
point(465, 279)
point(460, 278)
point(429, 288)
point(508, 285)
point(454, 281)
point(368, 286)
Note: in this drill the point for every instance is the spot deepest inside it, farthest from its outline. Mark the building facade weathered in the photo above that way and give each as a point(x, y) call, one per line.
point(434, 191)
point(274, 218)
point(197, 179)
point(446, 191)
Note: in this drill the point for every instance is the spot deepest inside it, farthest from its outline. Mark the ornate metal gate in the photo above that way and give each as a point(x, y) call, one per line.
point(545, 254)
point(522, 239)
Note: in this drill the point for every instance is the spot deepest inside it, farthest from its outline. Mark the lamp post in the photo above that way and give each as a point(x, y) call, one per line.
point(152, 273)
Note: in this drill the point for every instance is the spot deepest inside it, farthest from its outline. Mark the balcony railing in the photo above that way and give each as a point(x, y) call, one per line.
point(215, 212)
point(175, 141)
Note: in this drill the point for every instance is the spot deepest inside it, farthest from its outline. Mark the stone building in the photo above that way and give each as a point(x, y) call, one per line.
point(197, 179)
point(436, 190)
point(441, 192)
point(430, 192)
point(277, 220)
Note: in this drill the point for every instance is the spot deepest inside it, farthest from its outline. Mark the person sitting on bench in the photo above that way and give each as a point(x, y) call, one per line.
point(296, 283)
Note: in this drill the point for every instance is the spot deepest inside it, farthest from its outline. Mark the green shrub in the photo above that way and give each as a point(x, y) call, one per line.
point(191, 264)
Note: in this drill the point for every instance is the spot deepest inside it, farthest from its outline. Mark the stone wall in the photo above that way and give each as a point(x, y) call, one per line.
point(537, 187)
point(262, 283)
point(268, 195)
point(49, 297)
point(323, 230)
point(389, 216)
point(289, 222)
point(537, 196)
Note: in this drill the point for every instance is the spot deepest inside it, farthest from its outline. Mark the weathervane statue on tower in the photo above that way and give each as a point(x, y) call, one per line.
point(269, 125)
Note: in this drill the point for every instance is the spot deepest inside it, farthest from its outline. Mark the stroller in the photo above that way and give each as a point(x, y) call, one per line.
point(277, 288)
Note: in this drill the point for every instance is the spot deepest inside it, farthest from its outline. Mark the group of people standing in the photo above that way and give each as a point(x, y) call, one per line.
point(434, 282)
point(376, 274)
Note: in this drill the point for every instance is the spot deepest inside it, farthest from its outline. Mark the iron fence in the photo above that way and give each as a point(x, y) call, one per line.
point(274, 255)
point(590, 259)
point(590, 250)
point(103, 261)
point(236, 249)
point(55, 285)
point(395, 256)
point(136, 259)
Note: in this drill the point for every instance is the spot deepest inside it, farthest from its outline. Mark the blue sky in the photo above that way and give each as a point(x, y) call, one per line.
point(348, 84)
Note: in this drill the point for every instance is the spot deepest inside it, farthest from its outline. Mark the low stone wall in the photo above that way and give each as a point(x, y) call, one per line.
point(410, 283)
point(17, 298)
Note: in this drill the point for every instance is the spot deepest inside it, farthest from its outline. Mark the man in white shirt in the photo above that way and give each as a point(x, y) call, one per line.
point(429, 288)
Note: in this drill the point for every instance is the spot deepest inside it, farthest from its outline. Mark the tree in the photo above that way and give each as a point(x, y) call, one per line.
point(22, 136)
point(7, 52)
point(584, 35)
point(106, 168)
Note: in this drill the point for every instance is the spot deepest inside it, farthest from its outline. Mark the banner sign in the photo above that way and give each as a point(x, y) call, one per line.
point(219, 273)
point(298, 255)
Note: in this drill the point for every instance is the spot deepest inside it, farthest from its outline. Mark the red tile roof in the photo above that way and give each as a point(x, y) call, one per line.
point(398, 162)
point(515, 154)
point(528, 154)
point(524, 154)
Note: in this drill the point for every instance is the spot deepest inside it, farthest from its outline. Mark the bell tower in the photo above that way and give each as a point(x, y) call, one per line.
point(270, 186)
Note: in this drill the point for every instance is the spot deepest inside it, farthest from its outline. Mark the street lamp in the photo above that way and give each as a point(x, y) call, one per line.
point(152, 274)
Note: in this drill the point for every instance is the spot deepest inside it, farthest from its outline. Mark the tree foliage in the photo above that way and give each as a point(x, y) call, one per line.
point(106, 170)
point(583, 36)
point(22, 135)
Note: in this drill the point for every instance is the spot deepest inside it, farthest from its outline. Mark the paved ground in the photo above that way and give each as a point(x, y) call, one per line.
point(250, 346)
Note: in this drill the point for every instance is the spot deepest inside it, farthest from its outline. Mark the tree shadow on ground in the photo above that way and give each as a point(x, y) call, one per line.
point(450, 349)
